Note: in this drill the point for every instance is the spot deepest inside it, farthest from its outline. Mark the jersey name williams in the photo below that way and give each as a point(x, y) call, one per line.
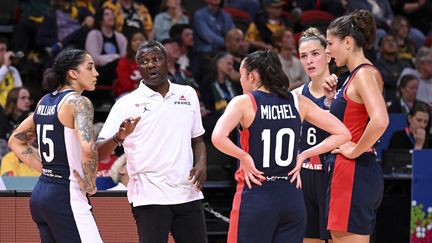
point(276, 112)
point(46, 110)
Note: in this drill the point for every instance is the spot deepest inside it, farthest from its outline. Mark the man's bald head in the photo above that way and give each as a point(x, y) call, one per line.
point(235, 43)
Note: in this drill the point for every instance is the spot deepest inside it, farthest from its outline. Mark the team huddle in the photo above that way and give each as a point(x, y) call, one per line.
point(306, 173)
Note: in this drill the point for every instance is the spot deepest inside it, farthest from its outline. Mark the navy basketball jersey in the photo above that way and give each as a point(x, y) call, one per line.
point(312, 135)
point(275, 132)
point(352, 114)
point(58, 145)
point(349, 210)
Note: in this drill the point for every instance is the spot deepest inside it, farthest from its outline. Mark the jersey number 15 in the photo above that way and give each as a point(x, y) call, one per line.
point(46, 141)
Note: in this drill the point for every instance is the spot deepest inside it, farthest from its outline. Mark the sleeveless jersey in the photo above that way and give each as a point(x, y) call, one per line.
point(312, 135)
point(351, 113)
point(275, 132)
point(59, 146)
point(357, 184)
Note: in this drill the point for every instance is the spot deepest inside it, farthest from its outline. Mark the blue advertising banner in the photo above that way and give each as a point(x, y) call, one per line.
point(421, 204)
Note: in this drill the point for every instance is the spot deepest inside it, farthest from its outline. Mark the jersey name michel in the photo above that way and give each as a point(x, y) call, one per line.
point(272, 138)
point(277, 112)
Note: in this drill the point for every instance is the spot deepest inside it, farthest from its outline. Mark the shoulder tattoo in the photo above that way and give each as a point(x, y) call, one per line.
point(84, 113)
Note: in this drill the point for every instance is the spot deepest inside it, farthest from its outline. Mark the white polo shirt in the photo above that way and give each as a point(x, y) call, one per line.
point(159, 150)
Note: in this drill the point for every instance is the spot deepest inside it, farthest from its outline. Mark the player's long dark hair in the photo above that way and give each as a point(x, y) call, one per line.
point(360, 25)
point(56, 76)
point(269, 68)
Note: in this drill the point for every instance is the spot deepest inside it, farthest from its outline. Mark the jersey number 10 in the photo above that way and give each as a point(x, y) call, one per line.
point(265, 137)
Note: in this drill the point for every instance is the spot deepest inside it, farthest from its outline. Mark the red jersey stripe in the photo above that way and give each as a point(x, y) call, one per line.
point(341, 194)
point(253, 101)
point(239, 176)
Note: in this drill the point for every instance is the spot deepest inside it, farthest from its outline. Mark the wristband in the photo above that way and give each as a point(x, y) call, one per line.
point(117, 140)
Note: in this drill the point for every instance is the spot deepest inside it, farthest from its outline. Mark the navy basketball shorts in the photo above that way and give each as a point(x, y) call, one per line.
point(62, 212)
point(274, 212)
point(315, 184)
point(355, 193)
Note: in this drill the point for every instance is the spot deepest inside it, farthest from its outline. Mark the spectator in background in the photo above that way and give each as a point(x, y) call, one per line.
point(31, 16)
point(237, 46)
point(419, 14)
point(152, 5)
point(406, 99)
point(337, 8)
point(11, 165)
point(218, 89)
point(210, 24)
point(400, 30)
point(423, 71)
point(380, 9)
point(389, 65)
point(171, 14)
point(175, 73)
point(9, 75)
point(131, 16)
point(179, 75)
point(119, 174)
point(105, 45)
point(4, 149)
point(284, 43)
point(18, 108)
point(65, 25)
point(183, 34)
point(417, 134)
point(88, 4)
point(252, 7)
point(128, 76)
point(259, 32)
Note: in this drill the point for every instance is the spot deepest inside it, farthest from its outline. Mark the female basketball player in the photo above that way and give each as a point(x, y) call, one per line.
point(63, 126)
point(315, 61)
point(270, 120)
point(356, 182)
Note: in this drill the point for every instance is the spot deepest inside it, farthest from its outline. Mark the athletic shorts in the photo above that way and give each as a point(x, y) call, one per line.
point(355, 193)
point(274, 212)
point(315, 184)
point(62, 212)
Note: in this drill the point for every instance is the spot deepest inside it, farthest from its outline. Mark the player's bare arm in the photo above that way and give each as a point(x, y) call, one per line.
point(26, 136)
point(83, 114)
point(20, 143)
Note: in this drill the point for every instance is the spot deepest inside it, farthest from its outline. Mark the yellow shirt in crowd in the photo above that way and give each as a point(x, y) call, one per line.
point(12, 166)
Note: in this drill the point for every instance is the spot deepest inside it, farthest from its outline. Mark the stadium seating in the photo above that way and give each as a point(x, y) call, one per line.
point(316, 18)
